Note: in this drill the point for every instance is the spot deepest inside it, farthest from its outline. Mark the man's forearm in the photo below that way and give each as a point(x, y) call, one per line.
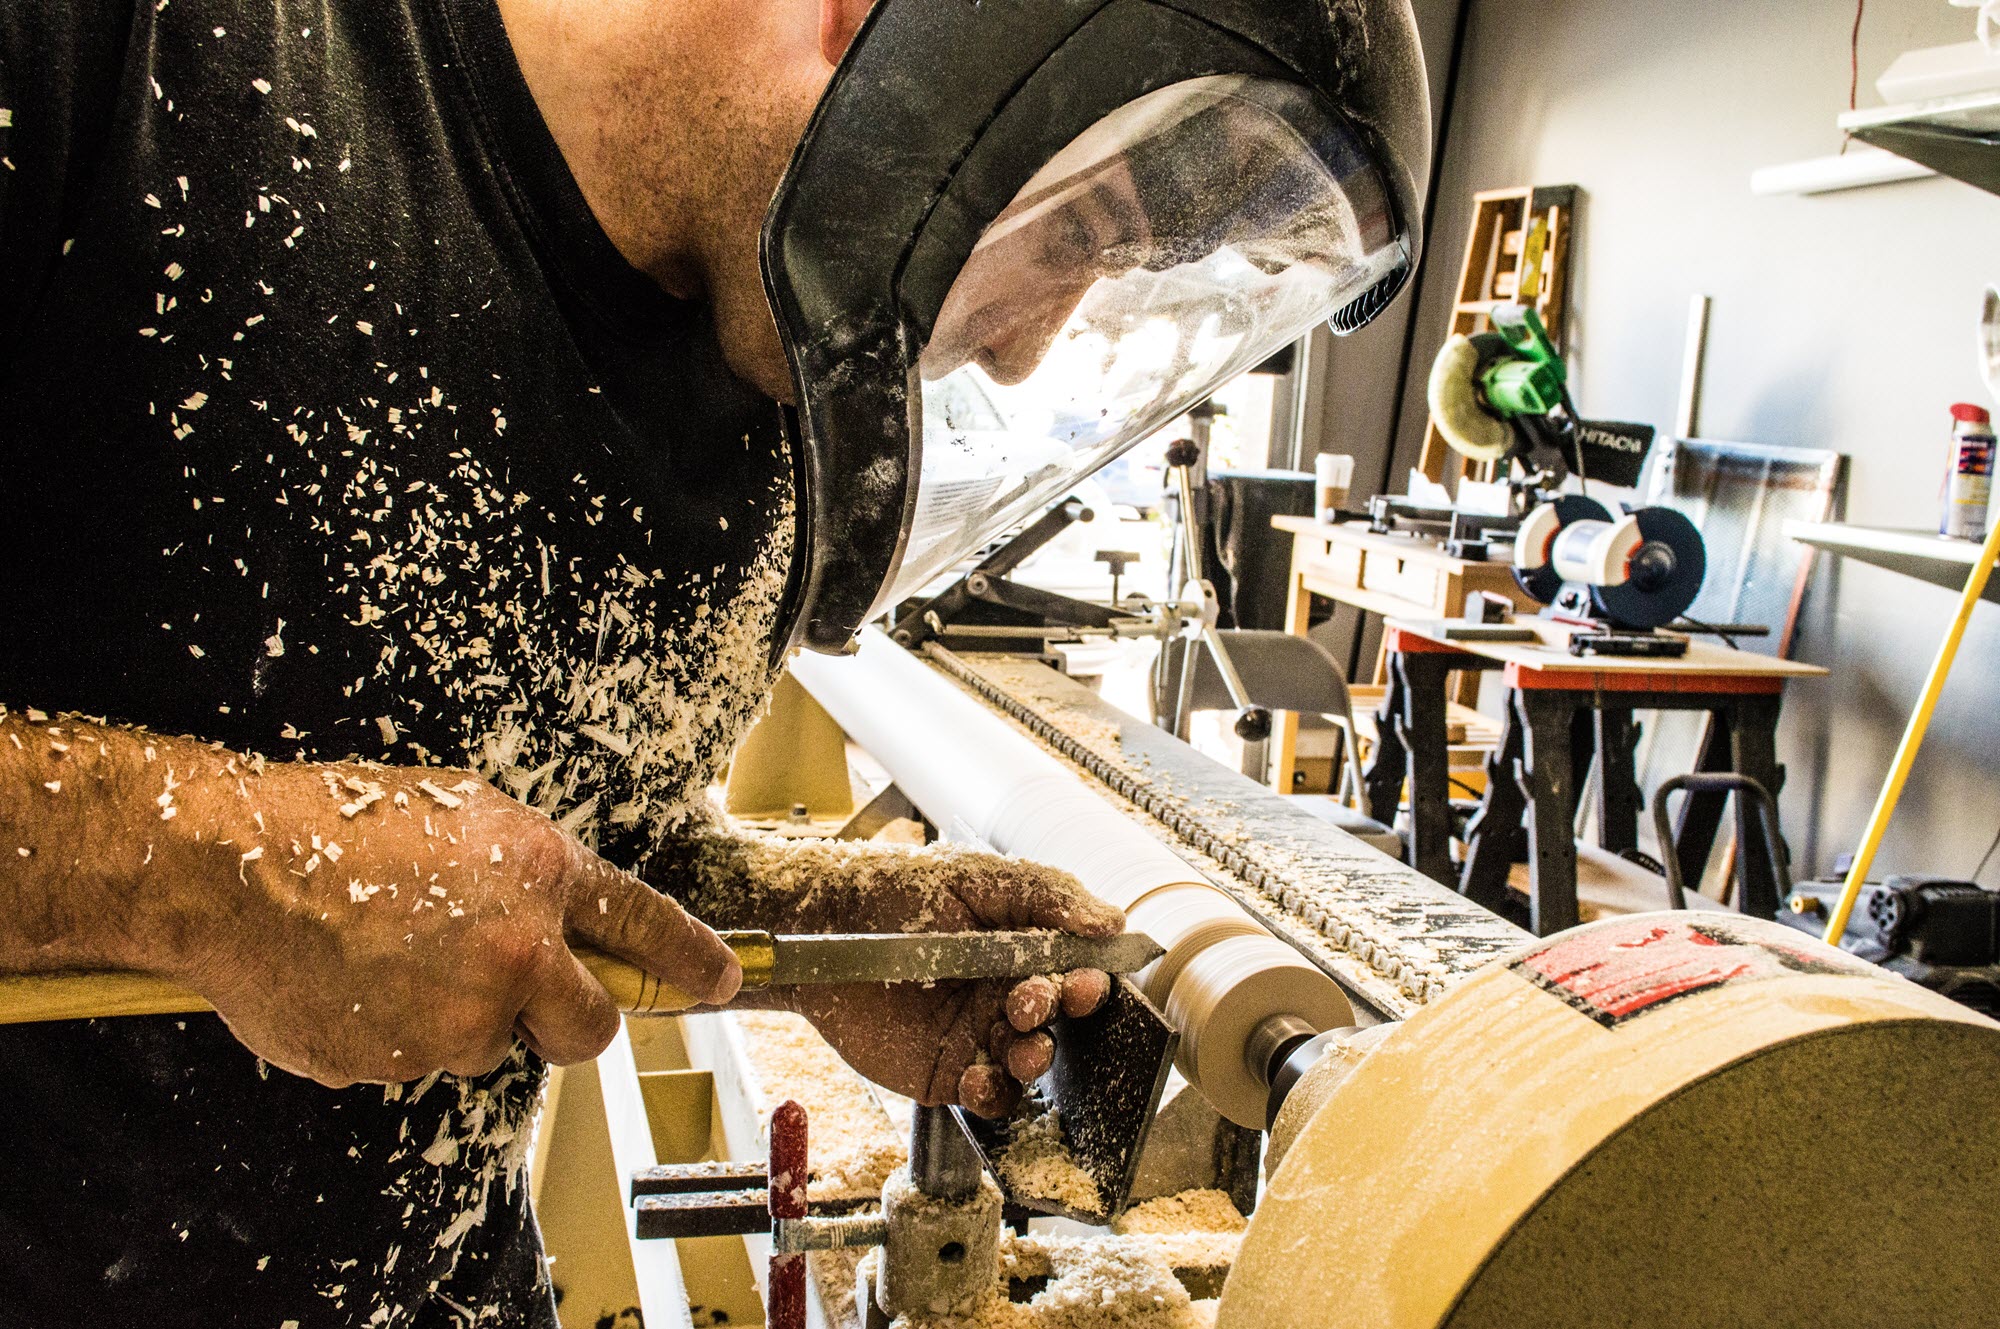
point(93, 865)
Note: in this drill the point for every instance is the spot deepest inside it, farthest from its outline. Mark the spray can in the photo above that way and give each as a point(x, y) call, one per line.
point(1968, 482)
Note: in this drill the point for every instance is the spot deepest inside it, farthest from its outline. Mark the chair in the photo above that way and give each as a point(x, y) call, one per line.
point(1283, 673)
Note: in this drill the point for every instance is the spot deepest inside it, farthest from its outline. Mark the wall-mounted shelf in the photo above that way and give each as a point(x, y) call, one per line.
point(1956, 136)
point(1925, 555)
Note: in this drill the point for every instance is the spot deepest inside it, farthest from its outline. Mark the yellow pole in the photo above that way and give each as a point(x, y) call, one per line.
point(1913, 736)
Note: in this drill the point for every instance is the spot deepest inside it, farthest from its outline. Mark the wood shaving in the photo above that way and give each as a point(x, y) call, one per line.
point(1190, 1211)
point(1038, 1164)
point(1094, 1283)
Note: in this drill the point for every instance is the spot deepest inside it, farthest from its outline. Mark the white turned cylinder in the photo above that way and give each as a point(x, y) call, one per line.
point(972, 773)
point(1185, 920)
point(1221, 997)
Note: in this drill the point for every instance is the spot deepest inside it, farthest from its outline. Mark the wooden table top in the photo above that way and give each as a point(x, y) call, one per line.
point(1547, 663)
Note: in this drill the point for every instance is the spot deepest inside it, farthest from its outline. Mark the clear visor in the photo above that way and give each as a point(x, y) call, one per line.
point(1179, 242)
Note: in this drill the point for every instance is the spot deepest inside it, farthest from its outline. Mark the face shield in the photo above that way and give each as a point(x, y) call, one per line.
point(1178, 243)
point(1073, 278)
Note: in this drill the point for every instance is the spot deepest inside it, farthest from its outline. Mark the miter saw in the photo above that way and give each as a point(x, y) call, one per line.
point(1503, 397)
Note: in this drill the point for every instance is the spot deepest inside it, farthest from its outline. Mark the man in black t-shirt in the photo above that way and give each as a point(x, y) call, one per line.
point(387, 460)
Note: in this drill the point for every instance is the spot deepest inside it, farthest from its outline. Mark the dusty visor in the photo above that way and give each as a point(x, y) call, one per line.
point(1177, 243)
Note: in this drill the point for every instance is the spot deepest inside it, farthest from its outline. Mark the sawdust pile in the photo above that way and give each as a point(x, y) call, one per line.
point(1094, 1283)
point(1190, 1211)
point(851, 1144)
point(1038, 1164)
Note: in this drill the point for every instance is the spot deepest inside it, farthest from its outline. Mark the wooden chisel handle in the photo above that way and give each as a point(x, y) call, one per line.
point(36, 998)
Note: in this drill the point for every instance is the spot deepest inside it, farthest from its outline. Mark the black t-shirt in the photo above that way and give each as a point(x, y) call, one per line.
point(331, 423)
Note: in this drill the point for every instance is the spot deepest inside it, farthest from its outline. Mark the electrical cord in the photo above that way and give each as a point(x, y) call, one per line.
point(1986, 857)
point(1576, 441)
point(1711, 630)
point(1853, 68)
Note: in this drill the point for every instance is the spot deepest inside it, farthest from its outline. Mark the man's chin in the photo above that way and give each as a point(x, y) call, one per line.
point(1006, 370)
point(758, 360)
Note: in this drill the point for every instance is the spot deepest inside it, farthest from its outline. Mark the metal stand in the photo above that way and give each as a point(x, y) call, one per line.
point(1197, 614)
point(988, 584)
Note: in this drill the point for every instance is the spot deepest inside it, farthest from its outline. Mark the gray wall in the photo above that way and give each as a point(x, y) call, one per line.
point(1351, 404)
point(1842, 321)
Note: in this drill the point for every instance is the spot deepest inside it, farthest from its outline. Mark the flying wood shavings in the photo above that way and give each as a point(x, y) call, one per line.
point(605, 738)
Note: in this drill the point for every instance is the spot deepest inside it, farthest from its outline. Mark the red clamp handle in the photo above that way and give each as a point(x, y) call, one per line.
point(785, 1294)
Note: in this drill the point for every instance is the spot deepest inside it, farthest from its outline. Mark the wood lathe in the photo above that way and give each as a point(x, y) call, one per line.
point(1664, 1118)
point(1429, 1118)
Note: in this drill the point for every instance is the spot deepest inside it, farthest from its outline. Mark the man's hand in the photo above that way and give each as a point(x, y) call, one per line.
point(349, 922)
point(973, 1043)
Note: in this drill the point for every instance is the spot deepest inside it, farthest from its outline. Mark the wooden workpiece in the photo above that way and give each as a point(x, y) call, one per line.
point(1006, 791)
point(1185, 920)
point(1224, 993)
point(1672, 1119)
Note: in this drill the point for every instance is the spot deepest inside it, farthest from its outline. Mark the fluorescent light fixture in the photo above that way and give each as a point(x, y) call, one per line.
point(1859, 166)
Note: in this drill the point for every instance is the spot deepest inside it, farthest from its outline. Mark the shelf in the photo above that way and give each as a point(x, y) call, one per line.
point(1955, 136)
point(1924, 555)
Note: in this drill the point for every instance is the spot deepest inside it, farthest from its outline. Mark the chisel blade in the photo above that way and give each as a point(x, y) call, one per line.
point(924, 957)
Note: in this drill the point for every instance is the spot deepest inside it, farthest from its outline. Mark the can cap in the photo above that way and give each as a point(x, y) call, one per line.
point(1965, 410)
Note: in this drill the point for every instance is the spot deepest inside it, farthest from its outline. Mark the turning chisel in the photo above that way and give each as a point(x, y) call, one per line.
point(768, 961)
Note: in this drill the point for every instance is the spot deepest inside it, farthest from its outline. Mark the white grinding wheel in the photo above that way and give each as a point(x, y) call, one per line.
point(1454, 401)
point(1221, 997)
point(1185, 920)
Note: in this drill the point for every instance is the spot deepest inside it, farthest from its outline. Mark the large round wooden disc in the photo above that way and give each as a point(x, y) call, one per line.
point(1665, 1120)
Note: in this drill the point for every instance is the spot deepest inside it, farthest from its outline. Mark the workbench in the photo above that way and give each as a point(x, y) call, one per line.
point(1395, 576)
point(1562, 710)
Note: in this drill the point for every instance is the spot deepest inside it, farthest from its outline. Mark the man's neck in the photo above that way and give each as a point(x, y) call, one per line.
point(603, 75)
